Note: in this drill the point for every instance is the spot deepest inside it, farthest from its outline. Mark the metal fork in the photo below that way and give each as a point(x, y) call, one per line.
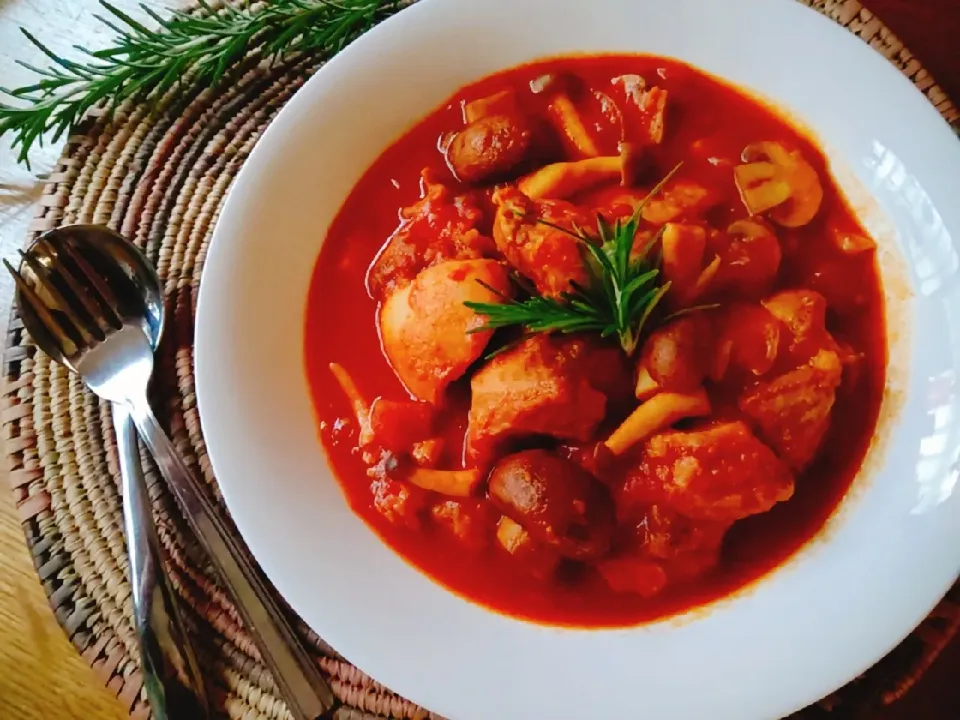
point(115, 359)
point(171, 674)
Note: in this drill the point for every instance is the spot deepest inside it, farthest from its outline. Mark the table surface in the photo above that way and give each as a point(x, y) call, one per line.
point(41, 676)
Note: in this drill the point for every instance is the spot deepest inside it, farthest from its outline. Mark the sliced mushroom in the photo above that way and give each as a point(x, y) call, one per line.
point(658, 413)
point(567, 118)
point(778, 181)
point(563, 179)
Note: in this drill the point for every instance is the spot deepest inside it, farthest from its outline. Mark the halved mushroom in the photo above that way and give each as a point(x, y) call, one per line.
point(489, 147)
point(750, 258)
point(778, 181)
point(555, 500)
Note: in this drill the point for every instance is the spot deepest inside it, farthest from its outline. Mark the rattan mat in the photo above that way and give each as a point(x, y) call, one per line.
point(160, 177)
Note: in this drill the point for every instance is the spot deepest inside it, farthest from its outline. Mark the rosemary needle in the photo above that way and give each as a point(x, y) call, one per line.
point(625, 287)
point(145, 62)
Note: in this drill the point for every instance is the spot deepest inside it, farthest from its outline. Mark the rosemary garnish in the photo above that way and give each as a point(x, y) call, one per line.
point(199, 47)
point(625, 286)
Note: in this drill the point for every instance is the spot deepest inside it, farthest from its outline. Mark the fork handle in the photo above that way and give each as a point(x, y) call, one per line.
point(307, 694)
point(171, 674)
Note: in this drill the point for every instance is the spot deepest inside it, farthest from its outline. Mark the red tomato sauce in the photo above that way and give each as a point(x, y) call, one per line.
point(709, 125)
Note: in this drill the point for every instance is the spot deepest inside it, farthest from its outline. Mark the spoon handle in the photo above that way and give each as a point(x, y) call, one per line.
point(307, 694)
point(170, 672)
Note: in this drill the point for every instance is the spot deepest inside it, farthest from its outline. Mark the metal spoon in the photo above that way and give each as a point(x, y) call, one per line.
point(171, 674)
point(118, 369)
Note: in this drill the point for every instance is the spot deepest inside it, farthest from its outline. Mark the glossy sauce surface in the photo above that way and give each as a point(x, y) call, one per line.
point(709, 125)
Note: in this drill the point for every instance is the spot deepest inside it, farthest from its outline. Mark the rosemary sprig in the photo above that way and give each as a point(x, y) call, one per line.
point(147, 62)
point(624, 289)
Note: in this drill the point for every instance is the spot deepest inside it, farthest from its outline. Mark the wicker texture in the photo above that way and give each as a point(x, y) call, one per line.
point(160, 178)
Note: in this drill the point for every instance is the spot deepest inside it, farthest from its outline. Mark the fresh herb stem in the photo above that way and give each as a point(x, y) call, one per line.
point(625, 286)
point(186, 47)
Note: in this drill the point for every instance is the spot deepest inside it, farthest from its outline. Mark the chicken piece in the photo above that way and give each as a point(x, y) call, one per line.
point(489, 148)
point(792, 411)
point(680, 199)
point(748, 340)
point(645, 109)
point(686, 547)
point(683, 250)
point(749, 260)
point(429, 336)
point(556, 501)
point(803, 314)
point(398, 426)
point(473, 522)
point(545, 385)
point(400, 504)
point(633, 574)
point(428, 453)
point(551, 258)
point(440, 226)
point(721, 473)
point(666, 548)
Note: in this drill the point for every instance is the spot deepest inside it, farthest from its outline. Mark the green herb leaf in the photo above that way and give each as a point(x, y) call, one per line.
point(625, 287)
point(186, 47)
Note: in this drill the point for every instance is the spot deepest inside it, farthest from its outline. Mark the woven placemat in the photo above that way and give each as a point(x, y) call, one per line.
point(160, 178)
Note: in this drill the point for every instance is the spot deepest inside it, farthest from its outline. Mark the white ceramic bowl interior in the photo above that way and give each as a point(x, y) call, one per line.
point(801, 632)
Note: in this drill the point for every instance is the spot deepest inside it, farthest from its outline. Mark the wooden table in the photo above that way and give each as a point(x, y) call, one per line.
point(41, 676)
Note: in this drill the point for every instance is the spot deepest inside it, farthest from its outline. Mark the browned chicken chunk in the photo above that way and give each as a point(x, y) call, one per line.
point(666, 547)
point(545, 385)
point(717, 473)
point(792, 411)
point(440, 226)
point(473, 522)
point(803, 314)
point(551, 258)
point(427, 332)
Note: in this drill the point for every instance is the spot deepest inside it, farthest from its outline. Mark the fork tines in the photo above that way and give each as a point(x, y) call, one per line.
point(73, 303)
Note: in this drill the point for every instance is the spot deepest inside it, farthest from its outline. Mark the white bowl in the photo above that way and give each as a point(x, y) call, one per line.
point(796, 635)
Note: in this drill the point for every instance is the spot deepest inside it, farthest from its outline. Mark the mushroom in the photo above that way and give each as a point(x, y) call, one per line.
point(564, 179)
point(778, 181)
